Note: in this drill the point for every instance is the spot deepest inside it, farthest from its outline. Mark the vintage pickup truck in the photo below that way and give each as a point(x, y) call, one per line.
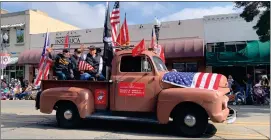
point(135, 92)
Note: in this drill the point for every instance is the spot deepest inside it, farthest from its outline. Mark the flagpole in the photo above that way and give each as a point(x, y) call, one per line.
point(119, 28)
point(45, 60)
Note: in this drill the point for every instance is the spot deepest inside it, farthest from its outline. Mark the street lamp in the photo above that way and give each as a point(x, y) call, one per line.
point(5, 38)
point(157, 25)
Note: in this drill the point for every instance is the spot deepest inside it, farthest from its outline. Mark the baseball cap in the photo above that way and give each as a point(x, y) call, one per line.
point(92, 47)
point(77, 50)
point(65, 51)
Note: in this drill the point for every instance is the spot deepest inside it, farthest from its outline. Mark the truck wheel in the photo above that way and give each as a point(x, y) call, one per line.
point(190, 122)
point(67, 115)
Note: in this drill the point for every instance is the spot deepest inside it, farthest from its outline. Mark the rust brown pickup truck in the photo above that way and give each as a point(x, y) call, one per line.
point(135, 92)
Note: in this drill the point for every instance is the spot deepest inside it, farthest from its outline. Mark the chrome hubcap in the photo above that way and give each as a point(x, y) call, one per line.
point(67, 114)
point(190, 120)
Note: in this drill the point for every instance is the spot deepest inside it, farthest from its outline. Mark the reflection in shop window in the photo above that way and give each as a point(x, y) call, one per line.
point(192, 67)
point(186, 67)
point(20, 35)
point(180, 67)
point(7, 33)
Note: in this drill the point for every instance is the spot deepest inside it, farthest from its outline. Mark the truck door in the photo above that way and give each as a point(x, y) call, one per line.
point(135, 86)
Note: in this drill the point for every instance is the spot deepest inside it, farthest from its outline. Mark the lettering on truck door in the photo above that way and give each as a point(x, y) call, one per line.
point(135, 89)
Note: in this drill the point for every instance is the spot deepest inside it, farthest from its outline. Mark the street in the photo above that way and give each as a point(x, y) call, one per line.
point(19, 119)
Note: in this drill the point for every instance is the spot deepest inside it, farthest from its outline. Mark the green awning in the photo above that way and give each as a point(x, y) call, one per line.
point(255, 53)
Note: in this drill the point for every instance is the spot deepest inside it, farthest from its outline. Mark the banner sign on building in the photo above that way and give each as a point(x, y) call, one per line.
point(4, 60)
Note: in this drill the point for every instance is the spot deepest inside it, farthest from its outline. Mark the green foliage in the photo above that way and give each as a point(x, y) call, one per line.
point(257, 8)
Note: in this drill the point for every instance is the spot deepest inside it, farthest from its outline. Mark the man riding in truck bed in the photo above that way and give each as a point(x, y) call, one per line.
point(62, 66)
point(97, 62)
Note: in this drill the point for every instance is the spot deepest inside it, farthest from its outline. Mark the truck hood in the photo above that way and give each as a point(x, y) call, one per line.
point(223, 83)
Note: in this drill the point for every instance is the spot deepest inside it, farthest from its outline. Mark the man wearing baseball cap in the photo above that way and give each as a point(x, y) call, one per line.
point(63, 67)
point(96, 61)
point(75, 58)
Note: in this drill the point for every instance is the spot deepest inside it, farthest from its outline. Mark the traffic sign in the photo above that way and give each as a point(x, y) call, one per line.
point(4, 60)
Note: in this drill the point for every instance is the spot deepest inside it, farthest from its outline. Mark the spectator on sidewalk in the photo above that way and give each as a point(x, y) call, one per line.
point(230, 82)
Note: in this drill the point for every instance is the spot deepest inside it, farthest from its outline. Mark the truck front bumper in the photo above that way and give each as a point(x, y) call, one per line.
point(226, 114)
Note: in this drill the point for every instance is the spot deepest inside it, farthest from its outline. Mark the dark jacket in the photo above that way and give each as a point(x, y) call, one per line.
point(62, 64)
point(74, 63)
point(94, 62)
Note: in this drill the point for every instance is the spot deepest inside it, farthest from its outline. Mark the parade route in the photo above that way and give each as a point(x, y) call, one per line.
point(19, 119)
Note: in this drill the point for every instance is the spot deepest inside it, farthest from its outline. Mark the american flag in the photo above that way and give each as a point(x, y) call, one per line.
point(45, 63)
point(193, 79)
point(46, 69)
point(83, 65)
point(114, 21)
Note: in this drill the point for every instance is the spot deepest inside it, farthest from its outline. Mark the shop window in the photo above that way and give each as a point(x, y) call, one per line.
point(230, 48)
point(241, 46)
point(191, 67)
point(20, 35)
point(186, 67)
point(219, 47)
point(5, 32)
point(179, 67)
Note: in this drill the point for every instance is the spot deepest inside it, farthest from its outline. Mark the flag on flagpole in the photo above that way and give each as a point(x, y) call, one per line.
point(114, 21)
point(66, 44)
point(153, 39)
point(46, 45)
point(43, 71)
point(107, 39)
point(45, 63)
point(140, 47)
point(123, 37)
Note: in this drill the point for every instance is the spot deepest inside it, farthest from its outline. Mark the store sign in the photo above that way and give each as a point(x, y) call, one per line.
point(13, 25)
point(4, 60)
point(72, 39)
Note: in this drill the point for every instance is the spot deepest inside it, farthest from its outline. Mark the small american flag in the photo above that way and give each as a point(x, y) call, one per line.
point(193, 80)
point(83, 65)
point(114, 21)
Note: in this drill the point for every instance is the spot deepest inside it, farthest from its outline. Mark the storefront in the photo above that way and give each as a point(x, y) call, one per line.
point(239, 58)
point(180, 54)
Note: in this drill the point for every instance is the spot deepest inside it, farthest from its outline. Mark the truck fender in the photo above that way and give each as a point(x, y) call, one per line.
point(168, 99)
point(81, 97)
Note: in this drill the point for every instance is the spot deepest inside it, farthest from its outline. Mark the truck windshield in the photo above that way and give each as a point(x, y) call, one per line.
point(159, 64)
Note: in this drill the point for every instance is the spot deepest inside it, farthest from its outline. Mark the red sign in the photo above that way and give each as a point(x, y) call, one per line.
point(131, 89)
point(100, 96)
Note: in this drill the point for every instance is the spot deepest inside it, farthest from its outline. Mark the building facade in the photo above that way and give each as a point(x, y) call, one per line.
point(183, 42)
point(233, 47)
point(19, 26)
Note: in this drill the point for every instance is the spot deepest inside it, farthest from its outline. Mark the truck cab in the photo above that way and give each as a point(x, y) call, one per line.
point(135, 92)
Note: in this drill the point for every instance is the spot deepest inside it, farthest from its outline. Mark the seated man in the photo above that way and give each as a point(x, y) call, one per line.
point(62, 66)
point(75, 58)
point(97, 62)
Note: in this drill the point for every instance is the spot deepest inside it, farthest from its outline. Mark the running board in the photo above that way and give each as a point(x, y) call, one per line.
point(121, 118)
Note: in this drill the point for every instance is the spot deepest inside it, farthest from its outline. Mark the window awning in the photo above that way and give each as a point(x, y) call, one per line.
point(30, 56)
point(13, 60)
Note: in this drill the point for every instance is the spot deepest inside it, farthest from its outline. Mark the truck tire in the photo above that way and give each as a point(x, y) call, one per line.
point(67, 115)
point(190, 121)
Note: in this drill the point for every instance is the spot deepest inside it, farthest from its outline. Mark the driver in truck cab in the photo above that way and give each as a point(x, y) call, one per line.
point(96, 61)
point(62, 66)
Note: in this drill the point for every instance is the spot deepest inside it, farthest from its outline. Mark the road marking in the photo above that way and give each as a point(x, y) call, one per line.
point(261, 123)
point(238, 135)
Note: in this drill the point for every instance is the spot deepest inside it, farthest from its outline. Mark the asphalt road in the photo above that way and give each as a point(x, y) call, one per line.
point(19, 119)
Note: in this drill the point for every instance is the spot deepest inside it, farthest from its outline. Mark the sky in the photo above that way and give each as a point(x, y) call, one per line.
point(92, 14)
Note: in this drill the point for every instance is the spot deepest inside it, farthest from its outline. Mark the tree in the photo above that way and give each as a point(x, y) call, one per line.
point(253, 9)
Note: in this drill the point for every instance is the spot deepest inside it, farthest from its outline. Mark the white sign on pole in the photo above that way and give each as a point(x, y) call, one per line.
point(4, 60)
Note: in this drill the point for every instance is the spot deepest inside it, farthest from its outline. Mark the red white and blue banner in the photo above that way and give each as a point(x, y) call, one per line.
point(193, 80)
